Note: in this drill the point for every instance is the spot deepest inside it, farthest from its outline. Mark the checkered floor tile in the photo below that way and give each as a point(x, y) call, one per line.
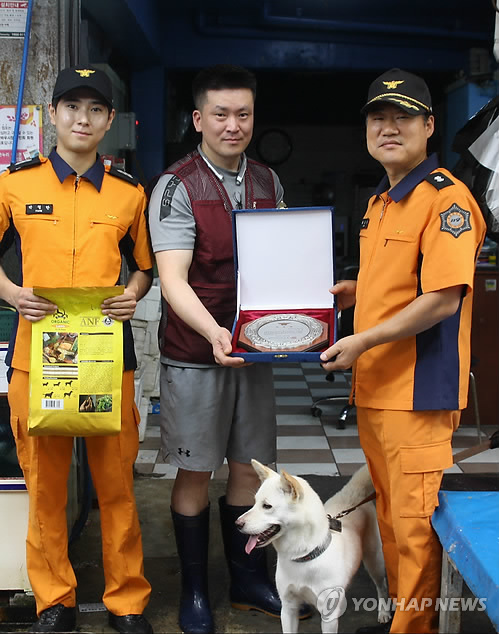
point(314, 444)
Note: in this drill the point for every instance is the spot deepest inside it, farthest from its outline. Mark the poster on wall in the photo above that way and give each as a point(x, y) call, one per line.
point(30, 138)
point(13, 18)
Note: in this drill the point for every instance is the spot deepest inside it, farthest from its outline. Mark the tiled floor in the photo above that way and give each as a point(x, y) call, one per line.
point(310, 445)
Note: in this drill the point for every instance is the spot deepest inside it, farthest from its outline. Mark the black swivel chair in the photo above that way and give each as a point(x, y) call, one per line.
point(346, 375)
point(345, 328)
point(342, 418)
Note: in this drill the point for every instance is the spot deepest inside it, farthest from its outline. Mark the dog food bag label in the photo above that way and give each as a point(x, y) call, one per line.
point(76, 365)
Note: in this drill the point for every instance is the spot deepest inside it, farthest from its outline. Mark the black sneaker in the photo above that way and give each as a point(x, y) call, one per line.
point(130, 624)
point(58, 618)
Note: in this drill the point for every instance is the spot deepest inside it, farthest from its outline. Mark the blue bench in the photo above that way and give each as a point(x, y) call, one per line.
point(467, 524)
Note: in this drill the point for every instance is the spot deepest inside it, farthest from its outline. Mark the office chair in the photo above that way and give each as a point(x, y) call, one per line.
point(345, 327)
point(347, 408)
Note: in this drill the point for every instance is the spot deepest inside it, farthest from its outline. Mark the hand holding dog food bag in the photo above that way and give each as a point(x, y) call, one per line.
point(76, 366)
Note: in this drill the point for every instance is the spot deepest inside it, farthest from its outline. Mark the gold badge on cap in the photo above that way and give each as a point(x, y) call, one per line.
point(85, 72)
point(391, 85)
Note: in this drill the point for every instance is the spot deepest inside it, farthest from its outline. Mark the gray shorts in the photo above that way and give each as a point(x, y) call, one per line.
point(210, 414)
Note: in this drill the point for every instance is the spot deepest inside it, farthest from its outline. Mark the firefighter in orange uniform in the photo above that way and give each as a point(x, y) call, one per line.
point(72, 219)
point(411, 344)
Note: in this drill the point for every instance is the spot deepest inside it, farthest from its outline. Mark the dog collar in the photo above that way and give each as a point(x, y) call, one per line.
point(318, 550)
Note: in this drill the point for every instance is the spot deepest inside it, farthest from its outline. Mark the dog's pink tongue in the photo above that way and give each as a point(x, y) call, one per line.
point(251, 543)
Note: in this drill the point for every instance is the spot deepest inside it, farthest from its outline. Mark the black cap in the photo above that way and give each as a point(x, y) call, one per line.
point(83, 77)
point(403, 89)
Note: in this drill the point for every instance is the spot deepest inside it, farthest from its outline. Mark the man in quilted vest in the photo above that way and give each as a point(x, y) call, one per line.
point(213, 406)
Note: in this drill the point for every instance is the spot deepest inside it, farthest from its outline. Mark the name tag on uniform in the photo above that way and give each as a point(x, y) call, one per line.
point(364, 223)
point(41, 208)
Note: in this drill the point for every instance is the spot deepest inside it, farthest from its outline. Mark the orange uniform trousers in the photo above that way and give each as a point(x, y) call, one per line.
point(45, 461)
point(406, 452)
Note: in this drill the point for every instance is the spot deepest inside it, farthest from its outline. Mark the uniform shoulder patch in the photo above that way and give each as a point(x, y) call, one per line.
point(439, 180)
point(166, 199)
point(455, 220)
point(114, 171)
point(15, 167)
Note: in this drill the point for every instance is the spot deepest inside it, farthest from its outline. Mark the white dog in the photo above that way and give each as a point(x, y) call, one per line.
point(314, 563)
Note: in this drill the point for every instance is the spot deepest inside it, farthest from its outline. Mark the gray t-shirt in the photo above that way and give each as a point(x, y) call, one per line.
point(177, 229)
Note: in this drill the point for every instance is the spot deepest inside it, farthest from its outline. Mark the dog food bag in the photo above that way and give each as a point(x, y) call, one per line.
point(76, 365)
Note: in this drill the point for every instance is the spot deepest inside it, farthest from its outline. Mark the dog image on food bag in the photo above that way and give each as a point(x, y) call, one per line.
point(315, 564)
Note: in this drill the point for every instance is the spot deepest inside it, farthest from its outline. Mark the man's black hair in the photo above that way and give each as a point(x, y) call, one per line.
point(221, 77)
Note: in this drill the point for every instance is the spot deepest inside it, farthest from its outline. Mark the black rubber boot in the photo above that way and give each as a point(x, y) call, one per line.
point(250, 585)
point(192, 536)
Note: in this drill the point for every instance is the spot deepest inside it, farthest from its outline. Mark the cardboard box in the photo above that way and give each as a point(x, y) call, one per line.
point(284, 261)
point(14, 505)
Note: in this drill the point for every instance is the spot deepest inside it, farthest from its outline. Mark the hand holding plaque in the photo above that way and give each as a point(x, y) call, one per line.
point(283, 332)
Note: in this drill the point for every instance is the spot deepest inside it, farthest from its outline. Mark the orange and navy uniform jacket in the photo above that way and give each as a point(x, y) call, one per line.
point(422, 235)
point(71, 231)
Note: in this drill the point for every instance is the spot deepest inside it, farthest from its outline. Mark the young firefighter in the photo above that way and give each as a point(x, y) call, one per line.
point(419, 240)
point(87, 217)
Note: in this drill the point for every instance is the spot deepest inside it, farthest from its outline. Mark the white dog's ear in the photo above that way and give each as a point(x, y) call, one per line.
point(262, 471)
point(291, 485)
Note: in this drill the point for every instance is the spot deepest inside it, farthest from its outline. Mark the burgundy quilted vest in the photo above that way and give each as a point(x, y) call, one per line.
point(211, 274)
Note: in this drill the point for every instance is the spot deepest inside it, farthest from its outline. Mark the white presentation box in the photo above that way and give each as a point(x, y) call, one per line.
point(285, 264)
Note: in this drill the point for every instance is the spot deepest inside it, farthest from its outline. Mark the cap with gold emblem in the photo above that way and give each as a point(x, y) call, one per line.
point(403, 89)
point(84, 77)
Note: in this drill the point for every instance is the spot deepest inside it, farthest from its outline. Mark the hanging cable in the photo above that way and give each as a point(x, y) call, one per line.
point(21, 81)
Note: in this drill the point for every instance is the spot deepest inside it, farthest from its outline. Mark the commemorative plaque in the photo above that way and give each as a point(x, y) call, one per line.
point(292, 332)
